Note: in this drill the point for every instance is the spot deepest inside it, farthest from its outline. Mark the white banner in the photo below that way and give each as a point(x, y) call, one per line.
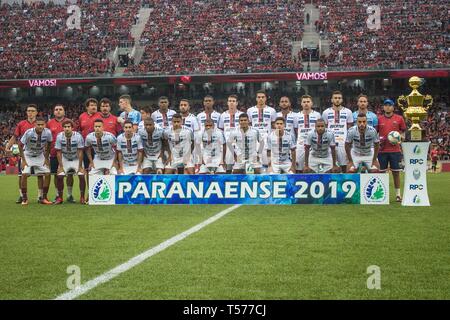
point(415, 191)
point(374, 188)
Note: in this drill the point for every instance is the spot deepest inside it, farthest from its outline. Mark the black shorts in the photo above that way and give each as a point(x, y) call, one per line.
point(434, 163)
point(54, 165)
point(391, 159)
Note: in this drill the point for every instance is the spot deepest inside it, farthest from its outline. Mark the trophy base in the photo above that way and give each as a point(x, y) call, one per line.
point(416, 136)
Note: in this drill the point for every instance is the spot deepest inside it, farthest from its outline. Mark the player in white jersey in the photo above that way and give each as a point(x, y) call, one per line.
point(69, 148)
point(163, 116)
point(289, 116)
point(229, 122)
point(208, 113)
point(281, 149)
point(34, 149)
point(213, 148)
point(246, 145)
point(320, 150)
point(262, 118)
point(306, 122)
point(181, 144)
point(339, 119)
point(154, 141)
point(146, 113)
point(129, 151)
point(103, 143)
point(362, 144)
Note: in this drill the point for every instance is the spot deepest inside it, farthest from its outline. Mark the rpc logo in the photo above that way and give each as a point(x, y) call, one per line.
point(415, 161)
point(416, 187)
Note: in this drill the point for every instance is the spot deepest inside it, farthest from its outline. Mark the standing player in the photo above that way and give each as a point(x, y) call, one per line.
point(212, 149)
point(281, 149)
point(245, 145)
point(339, 119)
point(390, 154)
point(363, 103)
point(110, 121)
point(306, 122)
point(128, 113)
point(163, 116)
point(320, 150)
point(262, 118)
point(21, 128)
point(188, 119)
point(208, 113)
point(34, 149)
point(129, 151)
point(69, 148)
point(146, 113)
point(103, 144)
point(229, 122)
point(289, 116)
point(154, 142)
point(55, 126)
point(181, 144)
point(86, 126)
point(361, 145)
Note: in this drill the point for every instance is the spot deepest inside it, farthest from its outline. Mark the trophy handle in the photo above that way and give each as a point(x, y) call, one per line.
point(401, 101)
point(428, 102)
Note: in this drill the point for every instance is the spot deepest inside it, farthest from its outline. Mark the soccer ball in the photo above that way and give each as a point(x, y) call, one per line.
point(15, 149)
point(394, 137)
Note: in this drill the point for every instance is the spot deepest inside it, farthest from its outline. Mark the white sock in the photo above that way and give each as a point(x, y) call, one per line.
point(41, 193)
point(20, 192)
point(397, 192)
point(69, 191)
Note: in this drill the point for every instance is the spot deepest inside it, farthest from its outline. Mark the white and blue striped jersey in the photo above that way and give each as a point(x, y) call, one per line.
point(229, 122)
point(180, 141)
point(262, 118)
point(129, 148)
point(164, 120)
point(338, 121)
point(306, 122)
point(69, 145)
point(103, 146)
point(34, 143)
point(362, 142)
point(215, 116)
point(291, 121)
point(280, 146)
point(152, 144)
point(320, 145)
point(191, 122)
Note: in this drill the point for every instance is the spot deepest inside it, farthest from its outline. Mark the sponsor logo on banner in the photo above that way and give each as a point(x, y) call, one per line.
point(416, 199)
point(417, 150)
point(416, 174)
point(102, 191)
point(375, 191)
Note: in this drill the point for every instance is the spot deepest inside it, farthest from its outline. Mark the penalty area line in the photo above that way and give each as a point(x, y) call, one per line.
point(111, 274)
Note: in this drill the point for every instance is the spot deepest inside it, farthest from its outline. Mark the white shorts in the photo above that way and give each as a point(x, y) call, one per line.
point(37, 163)
point(241, 165)
point(362, 160)
point(320, 165)
point(179, 163)
point(129, 170)
point(281, 168)
point(208, 169)
point(152, 164)
point(70, 167)
point(300, 158)
point(341, 155)
point(101, 165)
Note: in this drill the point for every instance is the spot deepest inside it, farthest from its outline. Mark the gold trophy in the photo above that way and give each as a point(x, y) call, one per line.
point(415, 107)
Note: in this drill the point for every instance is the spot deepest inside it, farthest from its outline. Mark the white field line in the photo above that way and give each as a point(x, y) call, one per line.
point(111, 274)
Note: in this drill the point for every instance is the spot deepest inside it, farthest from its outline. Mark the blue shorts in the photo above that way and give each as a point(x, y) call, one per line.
point(392, 159)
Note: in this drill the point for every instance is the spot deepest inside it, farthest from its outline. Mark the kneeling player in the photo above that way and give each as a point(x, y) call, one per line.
point(245, 145)
point(129, 150)
point(320, 150)
point(181, 143)
point(104, 144)
point(361, 145)
point(69, 147)
point(155, 145)
point(213, 149)
point(34, 149)
point(281, 147)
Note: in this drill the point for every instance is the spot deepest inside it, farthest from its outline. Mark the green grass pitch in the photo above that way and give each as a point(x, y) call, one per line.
point(254, 252)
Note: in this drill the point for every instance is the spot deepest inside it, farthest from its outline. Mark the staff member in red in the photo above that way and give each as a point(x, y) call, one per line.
point(55, 126)
point(434, 158)
point(21, 128)
point(390, 154)
point(110, 123)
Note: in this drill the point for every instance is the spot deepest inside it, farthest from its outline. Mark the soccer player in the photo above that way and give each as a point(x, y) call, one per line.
point(363, 103)
point(163, 116)
point(339, 119)
point(434, 158)
point(281, 149)
point(129, 151)
point(188, 119)
point(110, 122)
point(208, 113)
point(181, 143)
point(86, 126)
point(262, 118)
point(289, 116)
point(245, 145)
point(128, 113)
point(320, 150)
point(390, 154)
point(69, 148)
point(213, 148)
point(306, 121)
point(55, 126)
point(103, 143)
point(146, 113)
point(35, 145)
point(21, 128)
point(154, 142)
point(229, 122)
point(361, 145)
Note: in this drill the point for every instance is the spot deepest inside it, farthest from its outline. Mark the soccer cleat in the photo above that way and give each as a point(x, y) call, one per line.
point(82, 200)
point(20, 200)
point(45, 201)
point(398, 199)
point(58, 200)
point(24, 202)
point(70, 199)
